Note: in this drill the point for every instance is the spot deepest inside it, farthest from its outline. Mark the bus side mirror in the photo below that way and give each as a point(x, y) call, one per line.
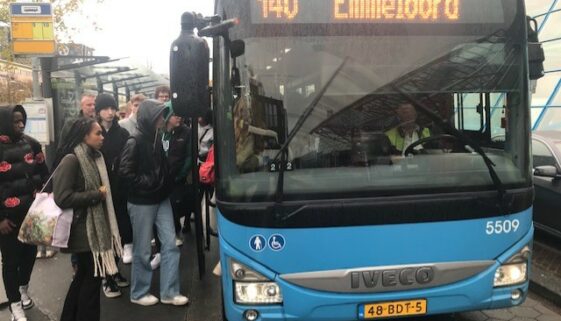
point(237, 48)
point(189, 71)
point(536, 55)
point(547, 171)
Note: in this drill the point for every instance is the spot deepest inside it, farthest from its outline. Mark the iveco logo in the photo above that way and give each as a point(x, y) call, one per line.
point(392, 278)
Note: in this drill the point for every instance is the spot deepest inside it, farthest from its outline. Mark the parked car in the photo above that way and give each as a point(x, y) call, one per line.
point(546, 152)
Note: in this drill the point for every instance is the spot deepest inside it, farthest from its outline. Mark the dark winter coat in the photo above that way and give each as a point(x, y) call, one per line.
point(178, 152)
point(69, 189)
point(113, 143)
point(22, 168)
point(143, 166)
point(179, 161)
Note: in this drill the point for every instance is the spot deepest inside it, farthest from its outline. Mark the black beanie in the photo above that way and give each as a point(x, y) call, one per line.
point(103, 101)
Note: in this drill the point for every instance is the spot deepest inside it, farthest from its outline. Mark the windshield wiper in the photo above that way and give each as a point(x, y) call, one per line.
point(308, 111)
point(463, 138)
point(283, 152)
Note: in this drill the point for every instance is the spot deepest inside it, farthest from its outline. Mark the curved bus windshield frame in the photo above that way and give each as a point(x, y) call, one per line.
point(239, 185)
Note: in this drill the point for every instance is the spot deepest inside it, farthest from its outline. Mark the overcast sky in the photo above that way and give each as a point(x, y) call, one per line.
point(142, 30)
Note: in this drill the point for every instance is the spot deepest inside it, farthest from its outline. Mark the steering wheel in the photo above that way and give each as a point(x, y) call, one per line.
point(410, 149)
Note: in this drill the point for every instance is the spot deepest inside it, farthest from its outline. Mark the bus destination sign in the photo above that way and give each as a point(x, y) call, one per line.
point(376, 11)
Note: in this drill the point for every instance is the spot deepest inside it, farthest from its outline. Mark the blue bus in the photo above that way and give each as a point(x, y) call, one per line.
point(359, 174)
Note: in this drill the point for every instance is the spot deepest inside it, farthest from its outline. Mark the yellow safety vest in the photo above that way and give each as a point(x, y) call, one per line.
point(398, 141)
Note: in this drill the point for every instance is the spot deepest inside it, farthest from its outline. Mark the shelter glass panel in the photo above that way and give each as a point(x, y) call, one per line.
point(553, 55)
point(551, 28)
point(551, 119)
point(544, 89)
point(536, 7)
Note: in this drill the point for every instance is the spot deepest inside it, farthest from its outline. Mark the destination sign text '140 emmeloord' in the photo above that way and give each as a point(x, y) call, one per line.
point(376, 11)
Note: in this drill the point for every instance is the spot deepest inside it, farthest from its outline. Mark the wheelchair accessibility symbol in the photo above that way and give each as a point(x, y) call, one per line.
point(276, 242)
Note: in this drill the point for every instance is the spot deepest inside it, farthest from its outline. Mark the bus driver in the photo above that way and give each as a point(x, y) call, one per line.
point(407, 131)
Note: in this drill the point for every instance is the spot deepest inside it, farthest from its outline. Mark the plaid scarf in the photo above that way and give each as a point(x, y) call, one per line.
point(101, 224)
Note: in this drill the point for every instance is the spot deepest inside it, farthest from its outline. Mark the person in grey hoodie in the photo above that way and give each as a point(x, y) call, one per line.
point(145, 171)
point(130, 122)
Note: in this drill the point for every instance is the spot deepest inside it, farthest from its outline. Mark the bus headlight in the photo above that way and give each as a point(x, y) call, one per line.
point(511, 274)
point(250, 287)
point(258, 293)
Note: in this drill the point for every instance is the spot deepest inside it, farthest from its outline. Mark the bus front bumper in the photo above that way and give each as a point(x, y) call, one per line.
point(475, 293)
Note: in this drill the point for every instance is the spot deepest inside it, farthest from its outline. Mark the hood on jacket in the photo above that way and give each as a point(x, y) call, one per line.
point(148, 112)
point(169, 110)
point(7, 119)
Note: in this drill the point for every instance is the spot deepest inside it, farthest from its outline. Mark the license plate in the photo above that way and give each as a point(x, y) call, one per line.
point(392, 309)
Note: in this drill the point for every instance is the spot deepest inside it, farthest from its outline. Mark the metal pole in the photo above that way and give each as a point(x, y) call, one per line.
point(9, 86)
point(196, 187)
point(77, 87)
point(99, 85)
point(46, 68)
point(206, 197)
point(127, 93)
point(115, 92)
point(36, 68)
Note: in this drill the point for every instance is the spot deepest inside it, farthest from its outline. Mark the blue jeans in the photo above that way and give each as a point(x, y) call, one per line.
point(143, 218)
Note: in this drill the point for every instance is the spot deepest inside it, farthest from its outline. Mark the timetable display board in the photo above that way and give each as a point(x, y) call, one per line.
point(376, 11)
point(32, 29)
point(40, 120)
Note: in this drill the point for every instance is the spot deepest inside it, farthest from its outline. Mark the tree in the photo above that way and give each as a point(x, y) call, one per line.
point(8, 62)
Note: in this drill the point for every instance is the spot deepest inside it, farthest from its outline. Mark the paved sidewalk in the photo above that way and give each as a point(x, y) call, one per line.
point(546, 271)
point(52, 277)
point(530, 310)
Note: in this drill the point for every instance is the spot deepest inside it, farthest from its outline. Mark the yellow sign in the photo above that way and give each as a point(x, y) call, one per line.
point(393, 309)
point(32, 29)
point(33, 47)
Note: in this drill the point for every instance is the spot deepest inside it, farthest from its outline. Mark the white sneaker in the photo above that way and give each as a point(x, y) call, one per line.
point(155, 263)
point(146, 300)
point(26, 302)
point(217, 270)
point(177, 300)
point(50, 253)
point(127, 254)
point(178, 241)
point(17, 312)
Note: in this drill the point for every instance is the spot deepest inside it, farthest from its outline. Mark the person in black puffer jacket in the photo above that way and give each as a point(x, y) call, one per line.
point(115, 138)
point(145, 172)
point(22, 173)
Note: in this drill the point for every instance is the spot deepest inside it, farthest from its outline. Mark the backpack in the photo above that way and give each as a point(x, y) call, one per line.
point(206, 170)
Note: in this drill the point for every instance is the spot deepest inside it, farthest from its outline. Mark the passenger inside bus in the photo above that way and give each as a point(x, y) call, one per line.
point(251, 134)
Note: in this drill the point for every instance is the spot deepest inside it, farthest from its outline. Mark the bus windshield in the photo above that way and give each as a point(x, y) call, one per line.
point(350, 103)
